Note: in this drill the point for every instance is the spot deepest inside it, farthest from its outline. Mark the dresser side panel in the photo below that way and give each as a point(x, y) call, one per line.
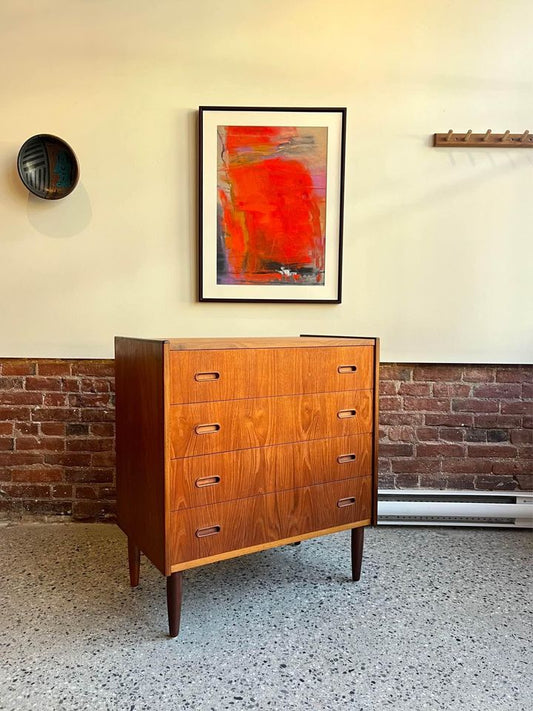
point(140, 421)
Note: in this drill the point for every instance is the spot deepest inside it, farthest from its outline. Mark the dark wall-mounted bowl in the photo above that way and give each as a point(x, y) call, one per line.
point(48, 167)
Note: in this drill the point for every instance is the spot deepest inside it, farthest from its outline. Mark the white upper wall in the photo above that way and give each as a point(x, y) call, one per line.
point(437, 243)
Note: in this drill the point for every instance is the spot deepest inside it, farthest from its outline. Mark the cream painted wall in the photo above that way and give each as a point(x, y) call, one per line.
point(438, 243)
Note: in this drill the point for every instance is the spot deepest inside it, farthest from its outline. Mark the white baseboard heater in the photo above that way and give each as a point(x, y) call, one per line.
point(430, 507)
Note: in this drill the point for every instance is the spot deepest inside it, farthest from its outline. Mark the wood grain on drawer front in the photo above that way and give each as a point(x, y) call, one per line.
point(205, 428)
point(199, 376)
point(208, 479)
point(235, 525)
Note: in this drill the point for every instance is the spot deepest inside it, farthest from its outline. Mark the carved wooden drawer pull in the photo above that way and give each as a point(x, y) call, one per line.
point(344, 458)
point(346, 369)
point(207, 481)
point(344, 414)
point(207, 429)
point(208, 531)
point(204, 377)
point(349, 501)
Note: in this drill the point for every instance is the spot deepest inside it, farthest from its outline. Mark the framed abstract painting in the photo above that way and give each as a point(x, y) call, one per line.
point(271, 188)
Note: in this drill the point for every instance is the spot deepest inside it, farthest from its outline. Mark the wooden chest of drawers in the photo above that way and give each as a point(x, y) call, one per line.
point(230, 446)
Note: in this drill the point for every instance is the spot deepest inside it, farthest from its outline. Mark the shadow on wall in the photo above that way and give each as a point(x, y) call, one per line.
point(66, 217)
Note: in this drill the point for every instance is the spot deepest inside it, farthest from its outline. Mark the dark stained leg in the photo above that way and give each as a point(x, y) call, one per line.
point(358, 536)
point(134, 560)
point(174, 603)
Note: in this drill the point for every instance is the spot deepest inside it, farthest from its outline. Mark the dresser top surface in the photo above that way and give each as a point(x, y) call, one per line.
point(193, 344)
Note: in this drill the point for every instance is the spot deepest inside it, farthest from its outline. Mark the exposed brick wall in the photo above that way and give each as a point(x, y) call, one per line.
point(57, 438)
point(457, 427)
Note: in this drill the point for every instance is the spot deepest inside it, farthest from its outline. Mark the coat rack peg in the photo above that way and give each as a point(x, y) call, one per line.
point(483, 140)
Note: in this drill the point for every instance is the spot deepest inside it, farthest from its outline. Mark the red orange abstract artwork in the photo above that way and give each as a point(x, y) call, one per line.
point(271, 205)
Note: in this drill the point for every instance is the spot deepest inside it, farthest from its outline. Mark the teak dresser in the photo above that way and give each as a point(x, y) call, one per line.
point(231, 446)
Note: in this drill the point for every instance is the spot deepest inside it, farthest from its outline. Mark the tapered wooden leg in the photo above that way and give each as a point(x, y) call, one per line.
point(174, 603)
point(134, 560)
point(358, 536)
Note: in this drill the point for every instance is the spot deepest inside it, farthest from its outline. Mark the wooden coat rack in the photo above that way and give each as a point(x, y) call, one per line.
point(483, 140)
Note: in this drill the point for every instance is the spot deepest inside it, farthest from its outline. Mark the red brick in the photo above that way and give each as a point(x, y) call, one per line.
point(103, 429)
point(391, 371)
point(86, 492)
point(11, 383)
point(511, 467)
point(450, 373)
point(451, 434)
point(40, 474)
point(527, 391)
point(20, 397)
point(451, 390)
point(26, 428)
point(401, 418)
point(498, 451)
point(387, 481)
point(93, 510)
point(472, 405)
point(440, 450)
point(527, 422)
point(478, 374)
point(466, 466)
point(384, 466)
point(70, 385)
point(418, 465)
point(91, 476)
point(54, 400)
point(491, 483)
point(525, 481)
point(6, 428)
point(49, 444)
point(396, 450)
point(7, 444)
point(401, 434)
point(46, 384)
point(427, 434)
point(53, 414)
point(54, 429)
point(95, 368)
point(14, 413)
point(498, 390)
point(407, 481)
point(461, 481)
point(68, 459)
point(526, 452)
point(450, 420)
point(94, 385)
point(18, 367)
point(415, 389)
point(53, 367)
point(107, 459)
point(14, 459)
point(497, 420)
point(98, 414)
point(515, 374)
point(28, 491)
point(517, 408)
point(433, 481)
point(107, 492)
point(61, 491)
point(522, 436)
point(89, 400)
point(90, 444)
point(387, 387)
point(428, 404)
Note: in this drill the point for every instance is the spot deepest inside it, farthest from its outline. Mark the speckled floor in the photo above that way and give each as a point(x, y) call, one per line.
point(441, 619)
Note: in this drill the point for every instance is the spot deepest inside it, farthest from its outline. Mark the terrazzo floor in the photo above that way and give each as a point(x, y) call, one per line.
point(441, 619)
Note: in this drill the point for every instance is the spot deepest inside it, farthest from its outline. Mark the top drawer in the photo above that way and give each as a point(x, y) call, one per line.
point(208, 375)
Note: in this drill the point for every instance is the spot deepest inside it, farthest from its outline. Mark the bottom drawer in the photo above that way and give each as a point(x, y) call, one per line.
point(233, 525)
